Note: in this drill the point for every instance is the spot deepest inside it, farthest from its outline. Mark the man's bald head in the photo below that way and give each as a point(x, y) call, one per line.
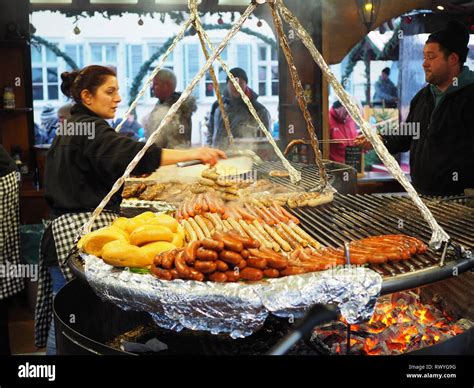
point(164, 84)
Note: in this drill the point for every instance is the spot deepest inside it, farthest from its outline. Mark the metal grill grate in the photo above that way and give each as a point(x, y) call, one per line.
point(354, 217)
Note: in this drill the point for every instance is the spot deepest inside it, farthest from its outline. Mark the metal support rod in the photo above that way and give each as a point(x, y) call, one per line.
point(317, 315)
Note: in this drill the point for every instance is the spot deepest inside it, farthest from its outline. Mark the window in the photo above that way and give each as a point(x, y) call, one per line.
point(244, 60)
point(267, 71)
point(44, 73)
point(220, 74)
point(76, 52)
point(104, 54)
point(134, 62)
point(191, 65)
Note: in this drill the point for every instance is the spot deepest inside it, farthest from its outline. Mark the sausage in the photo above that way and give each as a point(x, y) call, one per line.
point(217, 220)
point(246, 242)
point(282, 243)
point(259, 236)
point(230, 243)
point(271, 273)
point(284, 212)
point(202, 225)
point(209, 224)
point(227, 225)
point(242, 264)
point(196, 275)
point(280, 217)
point(253, 274)
point(174, 273)
point(214, 245)
point(191, 250)
point(205, 266)
point(294, 235)
point(219, 277)
point(210, 205)
point(196, 200)
point(263, 231)
point(293, 243)
point(235, 225)
point(274, 260)
point(168, 260)
point(247, 230)
point(245, 214)
point(158, 259)
point(230, 257)
point(206, 254)
point(232, 276)
point(270, 215)
point(183, 270)
point(245, 254)
point(190, 231)
point(292, 270)
point(221, 266)
point(161, 273)
point(256, 262)
point(263, 216)
point(305, 235)
point(197, 229)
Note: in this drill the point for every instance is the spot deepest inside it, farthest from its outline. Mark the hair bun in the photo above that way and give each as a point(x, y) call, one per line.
point(68, 79)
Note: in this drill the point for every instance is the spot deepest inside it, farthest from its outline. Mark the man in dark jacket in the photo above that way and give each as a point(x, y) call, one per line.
point(179, 131)
point(385, 90)
point(242, 123)
point(439, 128)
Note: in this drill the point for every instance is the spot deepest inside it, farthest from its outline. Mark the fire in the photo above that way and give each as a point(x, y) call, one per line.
point(401, 323)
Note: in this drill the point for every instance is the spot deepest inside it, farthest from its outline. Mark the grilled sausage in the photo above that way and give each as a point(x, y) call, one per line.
point(161, 273)
point(205, 266)
point(230, 257)
point(221, 266)
point(191, 250)
point(206, 255)
point(214, 245)
point(292, 270)
point(246, 242)
point(271, 273)
point(256, 262)
point(219, 277)
point(230, 243)
point(232, 276)
point(183, 270)
point(253, 274)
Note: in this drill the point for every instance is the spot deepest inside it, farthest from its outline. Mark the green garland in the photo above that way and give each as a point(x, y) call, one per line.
point(55, 49)
point(207, 27)
point(379, 54)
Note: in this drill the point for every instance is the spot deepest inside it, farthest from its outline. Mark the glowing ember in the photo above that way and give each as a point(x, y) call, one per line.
point(401, 323)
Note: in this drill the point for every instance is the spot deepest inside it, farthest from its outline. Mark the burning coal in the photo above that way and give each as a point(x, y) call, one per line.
point(401, 323)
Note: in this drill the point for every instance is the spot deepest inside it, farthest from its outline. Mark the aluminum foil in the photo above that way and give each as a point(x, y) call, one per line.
point(237, 309)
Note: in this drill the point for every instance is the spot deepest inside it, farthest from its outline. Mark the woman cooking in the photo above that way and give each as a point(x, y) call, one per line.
point(82, 165)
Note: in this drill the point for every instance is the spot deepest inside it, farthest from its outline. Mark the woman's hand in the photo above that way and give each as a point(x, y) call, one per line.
point(208, 155)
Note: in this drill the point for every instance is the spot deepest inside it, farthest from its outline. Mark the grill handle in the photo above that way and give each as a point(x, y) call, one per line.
point(317, 315)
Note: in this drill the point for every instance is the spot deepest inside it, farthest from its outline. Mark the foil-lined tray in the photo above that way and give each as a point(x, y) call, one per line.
point(238, 309)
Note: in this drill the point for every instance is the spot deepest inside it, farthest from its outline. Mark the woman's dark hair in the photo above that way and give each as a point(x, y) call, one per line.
point(90, 78)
